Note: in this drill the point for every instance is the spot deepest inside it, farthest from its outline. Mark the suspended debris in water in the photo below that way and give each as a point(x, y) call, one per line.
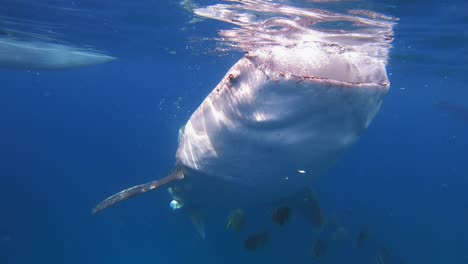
point(320, 248)
point(383, 256)
point(362, 237)
point(236, 220)
point(256, 240)
point(281, 215)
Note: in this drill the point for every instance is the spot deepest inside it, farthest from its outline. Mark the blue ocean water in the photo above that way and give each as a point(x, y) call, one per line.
point(69, 138)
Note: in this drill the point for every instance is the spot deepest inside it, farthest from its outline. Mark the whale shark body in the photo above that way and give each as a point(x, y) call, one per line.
point(265, 132)
point(279, 118)
point(21, 54)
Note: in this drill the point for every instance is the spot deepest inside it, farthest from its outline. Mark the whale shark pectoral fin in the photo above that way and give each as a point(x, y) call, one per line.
point(308, 205)
point(198, 221)
point(137, 190)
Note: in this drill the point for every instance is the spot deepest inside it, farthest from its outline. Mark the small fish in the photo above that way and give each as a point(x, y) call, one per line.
point(383, 256)
point(332, 221)
point(362, 237)
point(256, 240)
point(458, 111)
point(339, 234)
point(281, 215)
point(320, 248)
point(236, 220)
point(6, 238)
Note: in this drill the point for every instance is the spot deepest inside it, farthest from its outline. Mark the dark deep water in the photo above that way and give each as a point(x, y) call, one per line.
point(68, 138)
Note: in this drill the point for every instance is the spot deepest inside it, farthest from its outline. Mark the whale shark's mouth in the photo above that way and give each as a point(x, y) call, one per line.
point(311, 64)
point(336, 83)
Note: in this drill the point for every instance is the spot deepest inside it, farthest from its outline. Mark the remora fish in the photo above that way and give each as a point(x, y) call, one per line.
point(278, 119)
point(20, 54)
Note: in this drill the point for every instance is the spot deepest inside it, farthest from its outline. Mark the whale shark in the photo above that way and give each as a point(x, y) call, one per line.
point(280, 117)
point(27, 54)
point(38, 45)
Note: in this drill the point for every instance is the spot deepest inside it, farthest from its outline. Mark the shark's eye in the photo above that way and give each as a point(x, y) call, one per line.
point(232, 77)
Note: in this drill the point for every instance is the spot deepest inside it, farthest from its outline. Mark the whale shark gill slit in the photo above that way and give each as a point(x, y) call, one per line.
point(131, 192)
